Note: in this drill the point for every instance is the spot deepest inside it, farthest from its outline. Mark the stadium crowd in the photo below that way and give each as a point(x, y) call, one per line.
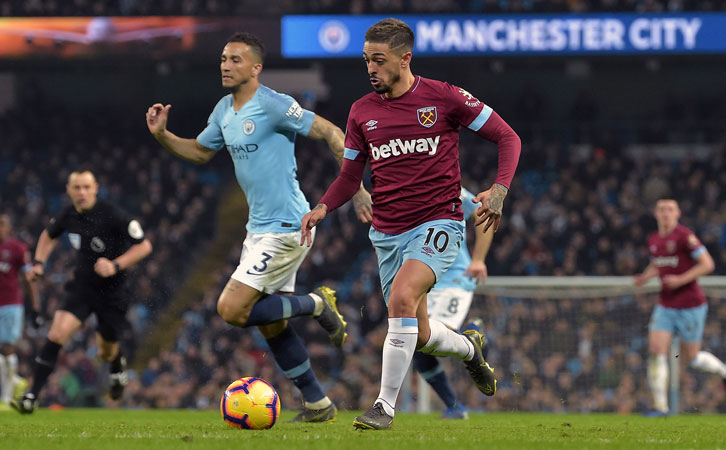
point(568, 355)
point(580, 209)
point(227, 7)
point(175, 203)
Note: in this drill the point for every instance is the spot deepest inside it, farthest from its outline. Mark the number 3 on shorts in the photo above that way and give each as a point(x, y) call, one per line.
point(440, 239)
point(266, 257)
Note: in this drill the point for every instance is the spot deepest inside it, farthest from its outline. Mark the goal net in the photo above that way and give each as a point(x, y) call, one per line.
point(577, 344)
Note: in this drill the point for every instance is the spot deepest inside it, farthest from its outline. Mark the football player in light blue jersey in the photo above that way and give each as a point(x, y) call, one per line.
point(258, 127)
point(449, 302)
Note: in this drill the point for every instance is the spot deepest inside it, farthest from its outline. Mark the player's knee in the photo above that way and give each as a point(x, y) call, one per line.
point(232, 313)
point(273, 329)
point(403, 302)
point(58, 336)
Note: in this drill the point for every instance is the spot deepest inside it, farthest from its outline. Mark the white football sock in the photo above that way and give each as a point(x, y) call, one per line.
point(446, 342)
point(320, 404)
point(319, 305)
point(658, 381)
point(707, 362)
point(398, 351)
point(6, 381)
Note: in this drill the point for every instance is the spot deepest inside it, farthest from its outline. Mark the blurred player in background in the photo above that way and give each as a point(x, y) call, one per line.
point(449, 302)
point(108, 242)
point(14, 260)
point(258, 127)
point(678, 258)
point(408, 129)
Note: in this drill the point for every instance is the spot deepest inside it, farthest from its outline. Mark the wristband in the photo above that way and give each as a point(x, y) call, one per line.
point(35, 261)
point(116, 266)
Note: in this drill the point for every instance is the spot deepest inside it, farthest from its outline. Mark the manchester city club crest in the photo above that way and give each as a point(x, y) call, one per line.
point(248, 127)
point(427, 116)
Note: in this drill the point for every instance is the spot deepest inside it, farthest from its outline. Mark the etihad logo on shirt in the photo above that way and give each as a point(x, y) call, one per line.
point(397, 147)
point(666, 261)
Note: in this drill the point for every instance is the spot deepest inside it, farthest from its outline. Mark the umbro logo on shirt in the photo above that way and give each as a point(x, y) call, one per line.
point(371, 124)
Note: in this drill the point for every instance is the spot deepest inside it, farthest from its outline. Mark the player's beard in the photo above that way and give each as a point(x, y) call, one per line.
point(386, 88)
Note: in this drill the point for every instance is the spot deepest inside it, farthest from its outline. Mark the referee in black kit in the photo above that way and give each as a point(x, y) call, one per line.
point(108, 242)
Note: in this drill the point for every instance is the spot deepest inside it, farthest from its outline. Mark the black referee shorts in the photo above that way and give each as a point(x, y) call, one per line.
point(109, 306)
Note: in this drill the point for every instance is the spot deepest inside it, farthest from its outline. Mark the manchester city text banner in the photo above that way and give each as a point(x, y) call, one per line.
point(342, 36)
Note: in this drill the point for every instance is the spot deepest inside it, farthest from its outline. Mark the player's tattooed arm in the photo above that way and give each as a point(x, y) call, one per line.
point(324, 130)
point(232, 285)
point(496, 199)
point(492, 200)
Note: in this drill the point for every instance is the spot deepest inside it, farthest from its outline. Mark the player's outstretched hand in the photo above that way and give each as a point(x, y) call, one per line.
point(477, 270)
point(490, 211)
point(309, 221)
point(362, 205)
point(156, 117)
point(104, 267)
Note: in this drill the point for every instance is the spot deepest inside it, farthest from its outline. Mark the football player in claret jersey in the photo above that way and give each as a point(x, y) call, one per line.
point(678, 258)
point(258, 127)
point(408, 131)
point(14, 261)
point(108, 242)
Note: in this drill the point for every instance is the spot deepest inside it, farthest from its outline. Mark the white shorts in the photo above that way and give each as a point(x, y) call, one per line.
point(449, 305)
point(269, 261)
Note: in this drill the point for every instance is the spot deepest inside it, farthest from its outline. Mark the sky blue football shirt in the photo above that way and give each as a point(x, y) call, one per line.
point(260, 137)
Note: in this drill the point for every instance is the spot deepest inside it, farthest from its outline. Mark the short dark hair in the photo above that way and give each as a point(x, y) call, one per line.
point(83, 168)
point(252, 41)
point(666, 198)
point(393, 32)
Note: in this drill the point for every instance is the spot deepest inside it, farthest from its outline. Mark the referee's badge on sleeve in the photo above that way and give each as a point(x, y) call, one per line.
point(135, 230)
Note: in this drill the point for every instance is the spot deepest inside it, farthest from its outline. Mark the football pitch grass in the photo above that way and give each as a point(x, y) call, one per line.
point(179, 429)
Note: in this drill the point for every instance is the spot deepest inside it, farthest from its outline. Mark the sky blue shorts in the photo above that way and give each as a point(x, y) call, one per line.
point(11, 323)
point(435, 243)
point(687, 323)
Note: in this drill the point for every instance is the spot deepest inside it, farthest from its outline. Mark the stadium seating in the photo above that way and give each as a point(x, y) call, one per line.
point(226, 7)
